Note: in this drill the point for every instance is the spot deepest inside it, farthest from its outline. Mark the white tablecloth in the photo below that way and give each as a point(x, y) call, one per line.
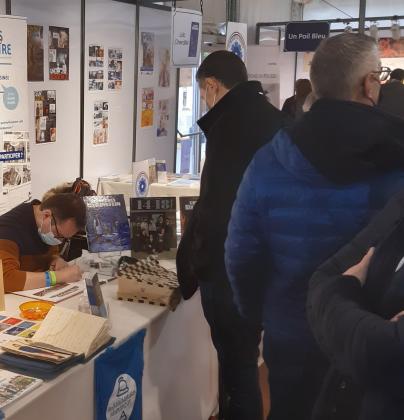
point(180, 375)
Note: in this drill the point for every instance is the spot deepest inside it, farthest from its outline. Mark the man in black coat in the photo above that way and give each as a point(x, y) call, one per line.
point(392, 94)
point(239, 122)
point(356, 315)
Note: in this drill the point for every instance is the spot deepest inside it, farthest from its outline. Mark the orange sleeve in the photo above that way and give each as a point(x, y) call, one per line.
point(13, 277)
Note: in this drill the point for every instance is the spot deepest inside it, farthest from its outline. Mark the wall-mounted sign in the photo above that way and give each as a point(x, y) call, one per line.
point(305, 36)
point(186, 37)
point(236, 39)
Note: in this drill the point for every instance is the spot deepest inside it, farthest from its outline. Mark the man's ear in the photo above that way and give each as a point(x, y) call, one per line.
point(371, 88)
point(46, 213)
point(212, 84)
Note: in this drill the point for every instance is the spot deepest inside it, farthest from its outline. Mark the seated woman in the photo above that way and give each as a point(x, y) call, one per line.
point(354, 307)
point(29, 238)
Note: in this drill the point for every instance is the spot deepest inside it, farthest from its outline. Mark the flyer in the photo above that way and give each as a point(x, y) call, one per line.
point(100, 122)
point(147, 40)
point(58, 53)
point(164, 72)
point(45, 116)
point(163, 118)
point(35, 54)
point(147, 107)
point(115, 64)
point(95, 68)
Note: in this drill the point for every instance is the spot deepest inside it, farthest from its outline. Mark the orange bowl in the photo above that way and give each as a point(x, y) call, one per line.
point(35, 309)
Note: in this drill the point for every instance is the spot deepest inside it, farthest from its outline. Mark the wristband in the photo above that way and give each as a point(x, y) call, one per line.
point(48, 280)
point(52, 276)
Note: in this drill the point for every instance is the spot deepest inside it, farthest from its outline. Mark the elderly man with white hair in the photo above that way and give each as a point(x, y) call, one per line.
point(303, 196)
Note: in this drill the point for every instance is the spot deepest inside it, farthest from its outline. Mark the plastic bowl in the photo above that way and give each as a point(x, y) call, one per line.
point(35, 309)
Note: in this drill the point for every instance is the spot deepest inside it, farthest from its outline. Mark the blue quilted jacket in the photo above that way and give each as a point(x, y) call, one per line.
point(287, 219)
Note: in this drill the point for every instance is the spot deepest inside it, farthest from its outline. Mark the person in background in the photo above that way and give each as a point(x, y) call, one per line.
point(293, 106)
point(29, 238)
point(239, 122)
point(303, 196)
point(392, 94)
point(355, 309)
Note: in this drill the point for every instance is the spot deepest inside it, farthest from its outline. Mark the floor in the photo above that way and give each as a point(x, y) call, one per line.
point(263, 371)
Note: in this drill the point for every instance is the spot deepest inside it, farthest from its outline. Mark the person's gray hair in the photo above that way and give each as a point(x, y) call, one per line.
point(341, 63)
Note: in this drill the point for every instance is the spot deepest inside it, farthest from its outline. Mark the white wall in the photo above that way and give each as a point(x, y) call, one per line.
point(110, 24)
point(53, 163)
point(213, 10)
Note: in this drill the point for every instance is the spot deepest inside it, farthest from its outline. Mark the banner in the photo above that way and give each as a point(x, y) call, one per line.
point(186, 37)
point(263, 65)
point(15, 187)
point(236, 39)
point(118, 381)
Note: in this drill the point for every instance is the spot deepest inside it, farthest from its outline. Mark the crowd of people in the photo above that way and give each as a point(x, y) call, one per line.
point(303, 184)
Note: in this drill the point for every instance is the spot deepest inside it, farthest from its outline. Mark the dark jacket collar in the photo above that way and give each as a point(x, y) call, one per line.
point(348, 142)
point(235, 97)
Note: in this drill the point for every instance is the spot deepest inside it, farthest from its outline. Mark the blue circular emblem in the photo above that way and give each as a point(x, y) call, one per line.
point(237, 45)
point(142, 185)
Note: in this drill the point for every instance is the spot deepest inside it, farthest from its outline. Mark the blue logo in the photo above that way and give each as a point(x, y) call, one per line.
point(10, 97)
point(237, 45)
point(142, 185)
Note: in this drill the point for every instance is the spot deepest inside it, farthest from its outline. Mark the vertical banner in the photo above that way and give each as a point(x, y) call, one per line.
point(263, 65)
point(15, 187)
point(118, 381)
point(186, 37)
point(236, 39)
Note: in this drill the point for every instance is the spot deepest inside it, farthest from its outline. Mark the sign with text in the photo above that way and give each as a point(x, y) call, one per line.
point(186, 37)
point(305, 36)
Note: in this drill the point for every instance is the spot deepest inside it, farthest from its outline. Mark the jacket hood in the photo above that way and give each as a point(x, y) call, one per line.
point(237, 96)
point(348, 142)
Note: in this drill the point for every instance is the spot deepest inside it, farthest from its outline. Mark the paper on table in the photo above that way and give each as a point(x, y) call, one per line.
point(74, 331)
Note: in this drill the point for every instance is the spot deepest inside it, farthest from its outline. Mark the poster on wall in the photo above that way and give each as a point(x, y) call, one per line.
point(58, 53)
point(100, 122)
point(186, 37)
point(35, 54)
point(115, 61)
point(45, 116)
point(164, 71)
point(263, 65)
point(147, 66)
point(163, 118)
point(16, 167)
point(95, 68)
point(236, 39)
point(147, 107)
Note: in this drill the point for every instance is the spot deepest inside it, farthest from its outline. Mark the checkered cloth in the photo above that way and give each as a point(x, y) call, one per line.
point(145, 281)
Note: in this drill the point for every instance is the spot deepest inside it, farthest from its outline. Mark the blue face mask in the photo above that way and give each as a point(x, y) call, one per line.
point(48, 238)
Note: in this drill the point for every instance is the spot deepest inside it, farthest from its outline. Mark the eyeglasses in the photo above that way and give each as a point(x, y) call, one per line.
point(58, 235)
point(383, 73)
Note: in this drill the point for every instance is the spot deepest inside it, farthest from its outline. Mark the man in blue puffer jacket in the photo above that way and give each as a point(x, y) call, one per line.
point(303, 196)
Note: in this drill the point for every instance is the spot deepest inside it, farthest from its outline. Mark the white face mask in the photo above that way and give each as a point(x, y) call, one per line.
point(48, 238)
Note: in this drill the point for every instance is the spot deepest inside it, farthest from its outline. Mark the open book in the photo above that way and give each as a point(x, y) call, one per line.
point(63, 334)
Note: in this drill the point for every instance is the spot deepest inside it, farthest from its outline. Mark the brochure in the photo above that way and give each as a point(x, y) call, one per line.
point(55, 294)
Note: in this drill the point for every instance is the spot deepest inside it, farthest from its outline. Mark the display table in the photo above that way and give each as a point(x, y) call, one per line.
point(125, 187)
point(180, 374)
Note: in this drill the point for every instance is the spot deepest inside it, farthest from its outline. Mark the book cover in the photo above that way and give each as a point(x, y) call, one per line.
point(95, 298)
point(154, 227)
point(186, 208)
point(107, 224)
point(14, 386)
point(161, 168)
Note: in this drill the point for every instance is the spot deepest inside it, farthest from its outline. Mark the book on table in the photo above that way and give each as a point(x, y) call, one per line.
point(64, 335)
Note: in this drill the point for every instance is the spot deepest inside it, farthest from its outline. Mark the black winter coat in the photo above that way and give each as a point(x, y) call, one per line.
point(235, 128)
point(352, 324)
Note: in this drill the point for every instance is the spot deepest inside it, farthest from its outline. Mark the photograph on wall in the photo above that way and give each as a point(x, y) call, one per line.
point(147, 39)
point(16, 147)
point(153, 224)
point(35, 54)
point(115, 61)
point(100, 122)
point(15, 176)
point(45, 116)
point(164, 72)
point(147, 107)
point(163, 118)
point(58, 53)
point(391, 48)
point(95, 68)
